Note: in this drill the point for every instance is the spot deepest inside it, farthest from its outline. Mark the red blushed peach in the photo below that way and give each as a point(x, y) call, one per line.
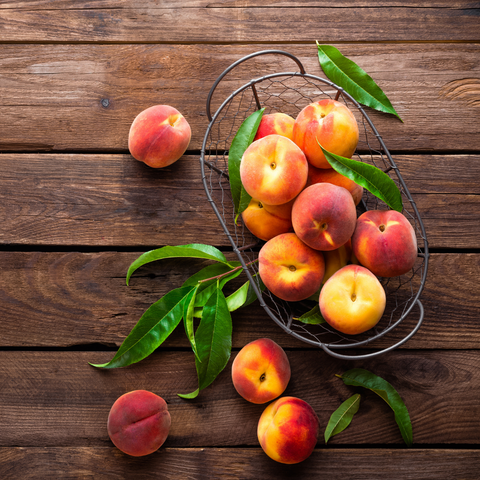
point(384, 241)
point(268, 221)
point(329, 175)
point(159, 136)
point(288, 430)
point(332, 124)
point(261, 371)
point(352, 300)
point(273, 170)
point(138, 423)
point(324, 216)
point(290, 269)
point(275, 123)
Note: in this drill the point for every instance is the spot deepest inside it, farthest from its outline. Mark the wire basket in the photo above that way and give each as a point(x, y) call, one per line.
point(290, 92)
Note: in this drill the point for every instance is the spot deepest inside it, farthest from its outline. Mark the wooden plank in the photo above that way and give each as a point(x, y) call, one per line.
point(51, 95)
point(56, 399)
point(104, 200)
point(247, 463)
point(71, 298)
point(234, 23)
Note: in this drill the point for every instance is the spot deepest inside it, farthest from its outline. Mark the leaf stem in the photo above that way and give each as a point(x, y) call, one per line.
point(227, 273)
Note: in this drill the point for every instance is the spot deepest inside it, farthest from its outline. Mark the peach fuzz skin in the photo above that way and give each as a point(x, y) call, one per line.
point(288, 430)
point(352, 300)
point(275, 123)
point(261, 371)
point(273, 170)
point(324, 216)
point(268, 221)
point(290, 269)
point(332, 124)
point(384, 241)
point(159, 136)
point(329, 175)
point(138, 423)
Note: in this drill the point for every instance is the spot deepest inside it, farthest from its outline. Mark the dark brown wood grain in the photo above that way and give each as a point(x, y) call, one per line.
point(58, 399)
point(246, 463)
point(236, 22)
point(66, 299)
point(51, 95)
point(106, 200)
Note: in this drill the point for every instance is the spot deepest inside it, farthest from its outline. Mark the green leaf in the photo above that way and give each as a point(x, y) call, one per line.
point(243, 138)
point(238, 297)
point(189, 308)
point(353, 79)
point(155, 325)
point(194, 250)
point(210, 271)
point(341, 418)
point(189, 396)
point(363, 378)
point(213, 339)
point(368, 176)
point(312, 317)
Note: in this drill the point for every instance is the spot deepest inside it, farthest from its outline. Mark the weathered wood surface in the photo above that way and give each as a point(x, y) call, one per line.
point(73, 76)
point(113, 200)
point(64, 299)
point(51, 95)
point(246, 463)
point(236, 22)
point(57, 399)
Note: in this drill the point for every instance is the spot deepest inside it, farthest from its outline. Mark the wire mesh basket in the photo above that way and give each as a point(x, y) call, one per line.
point(290, 92)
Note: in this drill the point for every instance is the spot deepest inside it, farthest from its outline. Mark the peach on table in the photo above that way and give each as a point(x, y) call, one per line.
point(261, 371)
point(159, 136)
point(288, 430)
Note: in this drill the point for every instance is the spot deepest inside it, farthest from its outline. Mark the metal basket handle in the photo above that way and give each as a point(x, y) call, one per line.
point(379, 352)
point(233, 65)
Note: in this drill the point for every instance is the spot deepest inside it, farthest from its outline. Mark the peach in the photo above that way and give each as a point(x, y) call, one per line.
point(290, 269)
point(337, 259)
point(275, 123)
point(268, 221)
point(288, 430)
point(332, 124)
point(324, 216)
point(273, 170)
point(329, 175)
point(261, 371)
point(384, 241)
point(159, 136)
point(138, 423)
point(352, 300)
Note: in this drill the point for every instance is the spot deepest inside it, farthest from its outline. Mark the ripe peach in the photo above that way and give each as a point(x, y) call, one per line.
point(268, 221)
point(138, 423)
point(288, 430)
point(159, 136)
point(324, 216)
point(384, 241)
point(352, 300)
point(337, 259)
point(275, 123)
point(332, 124)
point(273, 170)
point(261, 371)
point(290, 269)
point(329, 175)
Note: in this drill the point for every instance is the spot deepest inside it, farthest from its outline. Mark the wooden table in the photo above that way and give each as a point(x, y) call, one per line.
point(77, 209)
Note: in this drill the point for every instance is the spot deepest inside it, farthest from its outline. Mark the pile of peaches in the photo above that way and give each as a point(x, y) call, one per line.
point(306, 213)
